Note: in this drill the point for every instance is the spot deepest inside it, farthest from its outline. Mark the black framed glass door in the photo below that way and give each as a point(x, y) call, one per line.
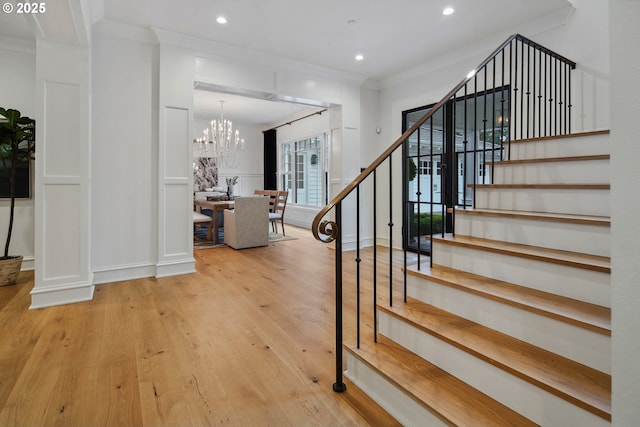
point(451, 150)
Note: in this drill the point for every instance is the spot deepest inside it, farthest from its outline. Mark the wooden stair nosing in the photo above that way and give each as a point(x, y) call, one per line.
point(539, 216)
point(554, 256)
point(552, 160)
point(447, 397)
point(570, 135)
point(576, 383)
point(594, 186)
point(578, 313)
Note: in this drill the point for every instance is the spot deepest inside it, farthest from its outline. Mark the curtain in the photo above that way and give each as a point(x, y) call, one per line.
point(270, 160)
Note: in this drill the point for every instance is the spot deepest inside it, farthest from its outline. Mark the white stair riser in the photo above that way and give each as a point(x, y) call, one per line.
point(401, 407)
point(572, 282)
point(564, 147)
point(534, 403)
point(582, 345)
point(570, 172)
point(574, 237)
point(563, 201)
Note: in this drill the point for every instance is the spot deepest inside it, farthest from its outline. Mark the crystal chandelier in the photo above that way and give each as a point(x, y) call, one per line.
point(222, 142)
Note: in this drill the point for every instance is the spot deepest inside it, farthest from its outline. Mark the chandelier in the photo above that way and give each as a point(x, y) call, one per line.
point(222, 142)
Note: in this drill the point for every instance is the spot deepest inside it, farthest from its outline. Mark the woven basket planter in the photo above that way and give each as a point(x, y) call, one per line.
point(9, 269)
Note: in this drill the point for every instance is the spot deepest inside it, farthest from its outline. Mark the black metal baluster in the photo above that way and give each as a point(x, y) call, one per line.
point(484, 130)
point(432, 170)
point(465, 142)
point(552, 101)
point(514, 67)
point(558, 98)
point(405, 240)
point(522, 90)
point(493, 118)
point(390, 231)
point(475, 137)
point(339, 385)
point(419, 193)
point(511, 84)
point(503, 119)
point(375, 257)
point(528, 87)
point(550, 113)
point(569, 100)
point(358, 266)
point(532, 68)
point(566, 98)
point(540, 93)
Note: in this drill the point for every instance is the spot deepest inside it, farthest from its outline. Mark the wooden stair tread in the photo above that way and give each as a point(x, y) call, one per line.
point(579, 384)
point(450, 399)
point(579, 313)
point(539, 216)
point(552, 159)
point(565, 136)
point(556, 256)
point(594, 186)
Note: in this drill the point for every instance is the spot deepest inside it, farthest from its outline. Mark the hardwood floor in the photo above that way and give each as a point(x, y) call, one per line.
point(248, 340)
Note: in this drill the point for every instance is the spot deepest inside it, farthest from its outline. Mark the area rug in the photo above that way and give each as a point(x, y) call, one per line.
point(200, 241)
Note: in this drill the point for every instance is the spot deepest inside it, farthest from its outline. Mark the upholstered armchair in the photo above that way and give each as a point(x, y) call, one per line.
point(247, 225)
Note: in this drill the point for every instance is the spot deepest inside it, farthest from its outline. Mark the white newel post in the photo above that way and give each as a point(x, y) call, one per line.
point(63, 175)
point(175, 164)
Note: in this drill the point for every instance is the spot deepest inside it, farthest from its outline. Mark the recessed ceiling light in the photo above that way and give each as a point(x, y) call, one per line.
point(448, 11)
point(359, 57)
point(221, 20)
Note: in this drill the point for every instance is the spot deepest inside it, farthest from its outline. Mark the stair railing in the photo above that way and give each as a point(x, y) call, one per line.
point(529, 87)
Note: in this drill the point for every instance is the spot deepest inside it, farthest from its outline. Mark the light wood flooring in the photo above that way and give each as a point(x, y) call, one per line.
point(248, 340)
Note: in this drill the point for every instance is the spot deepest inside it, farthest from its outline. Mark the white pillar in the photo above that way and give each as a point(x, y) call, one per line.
point(175, 162)
point(63, 175)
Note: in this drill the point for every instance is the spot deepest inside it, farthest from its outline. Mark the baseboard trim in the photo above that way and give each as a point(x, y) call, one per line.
point(175, 268)
point(61, 294)
point(123, 272)
point(28, 263)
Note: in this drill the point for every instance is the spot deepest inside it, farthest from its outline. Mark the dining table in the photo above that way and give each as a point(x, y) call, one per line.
point(215, 206)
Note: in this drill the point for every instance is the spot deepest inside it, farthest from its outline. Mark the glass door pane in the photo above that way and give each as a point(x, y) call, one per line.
point(425, 180)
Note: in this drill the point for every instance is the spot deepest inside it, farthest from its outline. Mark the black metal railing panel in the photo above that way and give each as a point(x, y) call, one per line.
point(521, 91)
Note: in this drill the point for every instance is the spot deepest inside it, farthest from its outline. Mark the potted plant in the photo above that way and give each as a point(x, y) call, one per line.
point(17, 145)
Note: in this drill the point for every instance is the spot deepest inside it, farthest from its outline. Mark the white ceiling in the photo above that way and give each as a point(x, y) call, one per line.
point(393, 35)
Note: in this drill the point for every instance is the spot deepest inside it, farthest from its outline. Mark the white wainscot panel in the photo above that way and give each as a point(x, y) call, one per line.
point(61, 136)
point(177, 214)
point(177, 145)
point(62, 231)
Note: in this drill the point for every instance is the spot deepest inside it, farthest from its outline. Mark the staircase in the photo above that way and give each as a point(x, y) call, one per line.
point(510, 325)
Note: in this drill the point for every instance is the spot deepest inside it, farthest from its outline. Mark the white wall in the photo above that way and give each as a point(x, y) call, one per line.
point(625, 204)
point(124, 154)
point(584, 39)
point(17, 91)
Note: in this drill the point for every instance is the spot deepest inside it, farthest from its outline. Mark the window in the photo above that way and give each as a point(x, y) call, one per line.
point(23, 180)
point(425, 167)
point(302, 171)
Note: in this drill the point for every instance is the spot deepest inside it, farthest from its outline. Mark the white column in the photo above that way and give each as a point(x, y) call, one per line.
point(175, 162)
point(62, 182)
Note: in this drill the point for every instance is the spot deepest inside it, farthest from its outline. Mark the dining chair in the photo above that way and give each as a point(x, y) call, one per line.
point(268, 193)
point(277, 215)
point(246, 225)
